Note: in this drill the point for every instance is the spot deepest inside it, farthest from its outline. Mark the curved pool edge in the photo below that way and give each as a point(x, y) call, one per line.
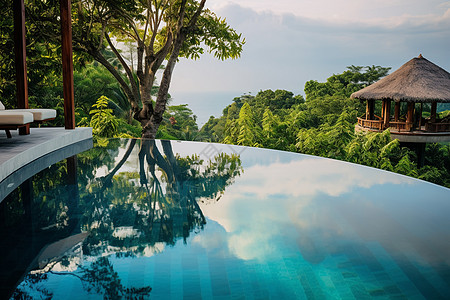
point(24, 149)
point(18, 176)
point(231, 146)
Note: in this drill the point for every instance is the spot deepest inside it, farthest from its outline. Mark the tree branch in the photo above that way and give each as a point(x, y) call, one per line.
point(108, 178)
point(101, 59)
point(134, 87)
point(194, 19)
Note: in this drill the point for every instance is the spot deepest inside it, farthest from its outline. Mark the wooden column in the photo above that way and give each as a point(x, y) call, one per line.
point(20, 58)
point(397, 111)
point(370, 109)
point(410, 114)
point(420, 115)
point(387, 113)
point(367, 109)
point(433, 112)
point(67, 64)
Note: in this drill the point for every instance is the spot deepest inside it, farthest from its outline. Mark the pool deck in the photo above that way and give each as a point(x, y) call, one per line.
point(22, 150)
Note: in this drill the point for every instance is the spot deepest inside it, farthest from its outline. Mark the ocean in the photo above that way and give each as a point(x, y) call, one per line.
point(204, 104)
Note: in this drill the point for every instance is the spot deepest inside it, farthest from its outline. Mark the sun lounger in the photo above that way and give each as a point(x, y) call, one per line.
point(39, 114)
point(20, 117)
point(10, 120)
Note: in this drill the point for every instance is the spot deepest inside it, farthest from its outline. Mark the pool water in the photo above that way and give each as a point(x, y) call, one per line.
point(172, 220)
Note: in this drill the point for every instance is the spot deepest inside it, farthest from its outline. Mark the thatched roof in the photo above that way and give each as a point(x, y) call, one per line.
point(419, 80)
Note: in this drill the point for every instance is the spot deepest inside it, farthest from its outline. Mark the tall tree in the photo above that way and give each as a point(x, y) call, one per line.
point(162, 31)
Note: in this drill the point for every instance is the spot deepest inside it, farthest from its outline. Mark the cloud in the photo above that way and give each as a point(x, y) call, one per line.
point(311, 176)
point(299, 193)
point(318, 205)
point(284, 50)
point(341, 10)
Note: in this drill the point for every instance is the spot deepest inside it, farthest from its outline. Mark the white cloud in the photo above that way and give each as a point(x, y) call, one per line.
point(290, 193)
point(321, 204)
point(311, 176)
point(340, 10)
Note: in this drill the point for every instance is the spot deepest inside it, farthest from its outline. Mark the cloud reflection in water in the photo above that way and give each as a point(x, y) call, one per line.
point(321, 206)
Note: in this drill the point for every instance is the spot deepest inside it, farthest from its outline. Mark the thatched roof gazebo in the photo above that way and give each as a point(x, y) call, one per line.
point(417, 81)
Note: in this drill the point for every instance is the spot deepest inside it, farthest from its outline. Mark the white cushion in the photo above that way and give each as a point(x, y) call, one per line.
point(2, 107)
point(15, 118)
point(39, 114)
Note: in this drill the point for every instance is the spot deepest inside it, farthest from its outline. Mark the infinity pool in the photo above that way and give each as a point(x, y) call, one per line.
point(172, 220)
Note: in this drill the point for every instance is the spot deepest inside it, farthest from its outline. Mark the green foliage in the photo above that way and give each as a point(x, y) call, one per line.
point(179, 123)
point(435, 175)
point(103, 123)
point(94, 81)
point(248, 132)
point(213, 130)
point(221, 40)
point(263, 122)
point(323, 125)
point(406, 167)
point(346, 83)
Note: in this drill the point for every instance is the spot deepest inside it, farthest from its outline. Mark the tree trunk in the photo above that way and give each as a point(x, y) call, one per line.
point(150, 127)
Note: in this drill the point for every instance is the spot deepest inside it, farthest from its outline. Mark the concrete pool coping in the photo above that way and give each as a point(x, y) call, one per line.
point(22, 150)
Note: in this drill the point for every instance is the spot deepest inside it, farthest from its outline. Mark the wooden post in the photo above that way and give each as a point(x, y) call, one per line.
point(410, 114)
point(433, 112)
point(20, 59)
point(371, 104)
point(67, 64)
point(387, 113)
point(420, 116)
point(367, 109)
point(397, 111)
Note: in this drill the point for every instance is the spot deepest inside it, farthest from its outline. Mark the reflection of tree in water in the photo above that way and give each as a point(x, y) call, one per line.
point(158, 204)
point(132, 213)
point(101, 278)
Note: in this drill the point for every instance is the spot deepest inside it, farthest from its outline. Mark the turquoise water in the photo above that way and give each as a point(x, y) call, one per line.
point(172, 220)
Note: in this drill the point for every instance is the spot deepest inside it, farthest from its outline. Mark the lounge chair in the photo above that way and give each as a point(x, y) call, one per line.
point(15, 115)
point(10, 120)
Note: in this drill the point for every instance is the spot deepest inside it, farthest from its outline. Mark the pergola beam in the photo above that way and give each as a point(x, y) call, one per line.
point(67, 64)
point(20, 59)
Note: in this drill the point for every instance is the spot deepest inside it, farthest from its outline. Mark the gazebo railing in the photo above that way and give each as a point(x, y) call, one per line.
point(372, 124)
point(400, 126)
point(437, 127)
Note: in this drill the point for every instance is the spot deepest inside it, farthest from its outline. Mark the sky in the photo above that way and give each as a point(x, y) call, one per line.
point(289, 42)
